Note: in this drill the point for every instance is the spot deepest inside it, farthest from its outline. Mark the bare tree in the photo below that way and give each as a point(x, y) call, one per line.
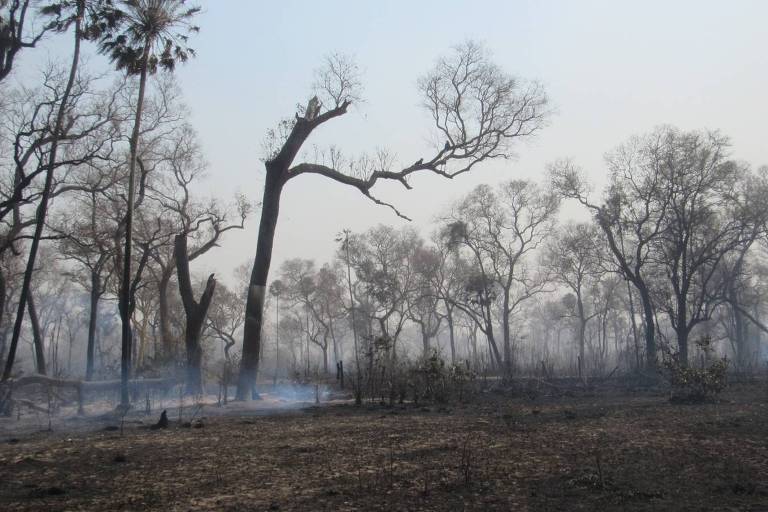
point(87, 136)
point(703, 226)
point(573, 257)
point(631, 219)
point(329, 309)
point(203, 222)
point(423, 303)
point(195, 312)
point(477, 109)
point(87, 241)
point(447, 280)
point(298, 275)
point(226, 318)
point(384, 260)
point(499, 229)
point(18, 30)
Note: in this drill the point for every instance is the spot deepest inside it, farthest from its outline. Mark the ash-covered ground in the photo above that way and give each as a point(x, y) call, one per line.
point(613, 450)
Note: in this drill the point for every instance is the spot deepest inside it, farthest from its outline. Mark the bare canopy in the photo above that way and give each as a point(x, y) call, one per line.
point(478, 111)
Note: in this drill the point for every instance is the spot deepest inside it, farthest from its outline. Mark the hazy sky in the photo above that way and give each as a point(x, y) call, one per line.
point(611, 69)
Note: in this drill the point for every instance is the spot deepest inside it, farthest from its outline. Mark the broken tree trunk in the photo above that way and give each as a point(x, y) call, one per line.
point(195, 313)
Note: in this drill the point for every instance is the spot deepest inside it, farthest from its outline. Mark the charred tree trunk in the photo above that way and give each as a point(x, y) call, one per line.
point(650, 330)
point(276, 176)
point(425, 340)
point(254, 306)
point(682, 330)
point(195, 313)
point(451, 335)
point(682, 345)
point(496, 360)
point(325, 354)
point(582, 334)
point(3, 291)
point(93, 317)
point(634, 326)
point(506, 334)
point(37, 336)
point(167, 341)
point(739, 325)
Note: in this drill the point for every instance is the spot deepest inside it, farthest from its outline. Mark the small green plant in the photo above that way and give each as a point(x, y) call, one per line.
point(429, 379)
point(696, 384)
point(434, 381)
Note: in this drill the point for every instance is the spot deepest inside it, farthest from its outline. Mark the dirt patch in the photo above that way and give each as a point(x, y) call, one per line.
point(619, 451)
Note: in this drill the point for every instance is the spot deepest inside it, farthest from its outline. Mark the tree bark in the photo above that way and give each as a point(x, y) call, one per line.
point(582, 332)
point(37, 336)
point(166, 337)
point(425, 340)
point(195, 313)
point(634, 326)
point(506, 334)
point(3, 291)
point(682, 330)
point(92, 320)
point(496, 356)
point(325, 355)
point(650, 329)
point(254, 307)
point(451, 335)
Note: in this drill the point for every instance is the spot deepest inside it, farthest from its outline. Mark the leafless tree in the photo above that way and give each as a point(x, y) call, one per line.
point(573, 257)
point(498, 230)
point(87, 137)
point(704, 225)
point(478, 112)
point(384, 260)
point(195, 312)
point(180, 165)
point(18, 29)
point(423, 302)
point(448, 280)
point(631, 219)
point(87, 241)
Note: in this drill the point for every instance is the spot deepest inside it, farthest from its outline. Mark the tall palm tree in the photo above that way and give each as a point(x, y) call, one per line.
point(152, 35)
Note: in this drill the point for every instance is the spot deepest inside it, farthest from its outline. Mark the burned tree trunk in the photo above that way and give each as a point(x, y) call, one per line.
point(254, 307)
point(92, 320)
point(650, 331)
point(167, 340)
point(195, 313)
point(3, 291)
point(451, 334)
point(37, 336)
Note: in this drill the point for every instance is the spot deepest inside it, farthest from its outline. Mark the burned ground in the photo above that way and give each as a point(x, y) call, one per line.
point(616, 450)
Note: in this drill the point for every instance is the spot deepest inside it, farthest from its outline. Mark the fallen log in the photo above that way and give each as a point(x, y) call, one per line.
point(28, 403)
point(51, 382)
point(135, 385)
point(83, 387)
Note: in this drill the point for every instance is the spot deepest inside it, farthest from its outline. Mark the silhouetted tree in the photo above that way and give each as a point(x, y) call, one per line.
point(477, 109)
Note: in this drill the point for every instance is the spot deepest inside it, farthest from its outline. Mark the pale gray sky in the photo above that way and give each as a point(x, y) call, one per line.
point(611, 69)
